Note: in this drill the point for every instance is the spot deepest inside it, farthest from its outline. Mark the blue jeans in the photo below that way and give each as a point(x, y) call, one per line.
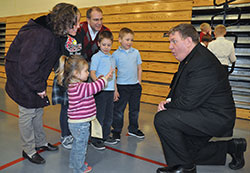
point(130, 94)
point(80, 132)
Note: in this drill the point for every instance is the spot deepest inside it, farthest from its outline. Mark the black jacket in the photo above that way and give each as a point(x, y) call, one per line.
point(29, 62)
point(201, 91)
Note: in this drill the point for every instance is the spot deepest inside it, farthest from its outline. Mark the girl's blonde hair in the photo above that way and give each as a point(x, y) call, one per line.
point(67, 68)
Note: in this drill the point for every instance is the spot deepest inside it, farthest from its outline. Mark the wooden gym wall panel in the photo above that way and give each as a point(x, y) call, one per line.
point(149, 17)
point(178, 5)
point(149, 20)
point(243, 113)
point(2, 72)
point(16, 26)
point(154, 89)
point(23, 18)
point(146, 26)
point(158, 56)
point(164, 78)
point(3, 19)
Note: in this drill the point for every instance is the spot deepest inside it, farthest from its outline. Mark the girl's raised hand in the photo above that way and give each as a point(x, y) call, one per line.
point(110, 74)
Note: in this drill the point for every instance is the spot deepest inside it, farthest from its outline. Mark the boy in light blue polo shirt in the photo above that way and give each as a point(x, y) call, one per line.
point(101, 64)
point(128, 63)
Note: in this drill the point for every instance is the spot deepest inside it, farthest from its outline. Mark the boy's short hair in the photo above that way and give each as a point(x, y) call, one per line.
point(105, 34)
point(206, 38)
point(220, 30)
point(125, 31)
point(204, 26)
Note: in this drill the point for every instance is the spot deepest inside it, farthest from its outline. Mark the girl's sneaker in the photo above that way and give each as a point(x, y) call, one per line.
point(88, 169)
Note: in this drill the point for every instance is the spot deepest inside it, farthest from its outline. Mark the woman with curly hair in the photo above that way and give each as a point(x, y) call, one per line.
point(29, 62)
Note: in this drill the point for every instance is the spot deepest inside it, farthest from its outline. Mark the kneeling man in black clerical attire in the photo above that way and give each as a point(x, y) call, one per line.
point(199, 106)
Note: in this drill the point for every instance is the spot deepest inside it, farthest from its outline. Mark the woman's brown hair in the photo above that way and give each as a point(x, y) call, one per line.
point(63, 17)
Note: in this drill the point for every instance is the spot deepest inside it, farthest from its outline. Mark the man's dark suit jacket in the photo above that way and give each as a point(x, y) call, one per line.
point(201, 93)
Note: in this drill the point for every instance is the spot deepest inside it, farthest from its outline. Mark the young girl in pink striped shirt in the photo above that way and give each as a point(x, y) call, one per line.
point(72, 74)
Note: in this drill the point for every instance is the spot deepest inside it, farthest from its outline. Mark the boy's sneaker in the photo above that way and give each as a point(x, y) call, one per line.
point(67, 141)
point(88, 169)
point(70, 138)
point(110, 141)
point(137, 134)
point(99, 145)
point(117, 136)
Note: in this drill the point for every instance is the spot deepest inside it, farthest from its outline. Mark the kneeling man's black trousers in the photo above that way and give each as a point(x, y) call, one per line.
point(183, 144)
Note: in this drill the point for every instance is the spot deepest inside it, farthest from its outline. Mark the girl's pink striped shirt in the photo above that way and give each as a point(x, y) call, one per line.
point(82, 105)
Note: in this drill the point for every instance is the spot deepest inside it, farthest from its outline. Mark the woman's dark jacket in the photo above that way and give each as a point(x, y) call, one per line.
point(29, 62)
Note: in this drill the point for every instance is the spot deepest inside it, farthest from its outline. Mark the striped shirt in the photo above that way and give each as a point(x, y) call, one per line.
point(82, 107)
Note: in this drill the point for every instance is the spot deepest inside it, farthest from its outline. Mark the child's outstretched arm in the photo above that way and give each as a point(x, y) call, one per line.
point(92, 88)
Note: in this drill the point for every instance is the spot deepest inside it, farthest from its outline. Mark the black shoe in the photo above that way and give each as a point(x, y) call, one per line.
point(239, 147)
point(110, 141)
point(35, 158)
point(116, 136)
point(50, 147)
point(99, 145)
point(138, 134)
point(162, 169)
point(176, 169)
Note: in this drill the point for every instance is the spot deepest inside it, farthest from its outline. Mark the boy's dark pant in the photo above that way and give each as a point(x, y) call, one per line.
point(64, 120)
point(130, 94)
point(104, 111)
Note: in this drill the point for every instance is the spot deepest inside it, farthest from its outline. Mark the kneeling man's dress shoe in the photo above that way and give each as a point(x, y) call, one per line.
point(35, 158)
point(50, 147)
point(176, 169)
point(238, 146)
point(162, 169)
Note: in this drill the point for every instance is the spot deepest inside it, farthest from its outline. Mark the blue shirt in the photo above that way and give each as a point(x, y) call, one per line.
point(102, 64)
point(127, 63)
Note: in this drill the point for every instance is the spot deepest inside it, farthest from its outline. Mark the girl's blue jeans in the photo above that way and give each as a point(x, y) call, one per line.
point(80, 132)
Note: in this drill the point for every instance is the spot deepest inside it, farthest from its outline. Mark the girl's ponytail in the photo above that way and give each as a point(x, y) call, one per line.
point(60, 70)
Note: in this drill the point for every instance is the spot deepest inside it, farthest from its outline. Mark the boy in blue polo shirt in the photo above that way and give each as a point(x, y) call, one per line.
point(128, 63)
point(101, 63)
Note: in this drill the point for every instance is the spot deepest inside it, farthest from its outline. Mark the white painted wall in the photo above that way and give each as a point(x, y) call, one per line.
point(20, 7)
